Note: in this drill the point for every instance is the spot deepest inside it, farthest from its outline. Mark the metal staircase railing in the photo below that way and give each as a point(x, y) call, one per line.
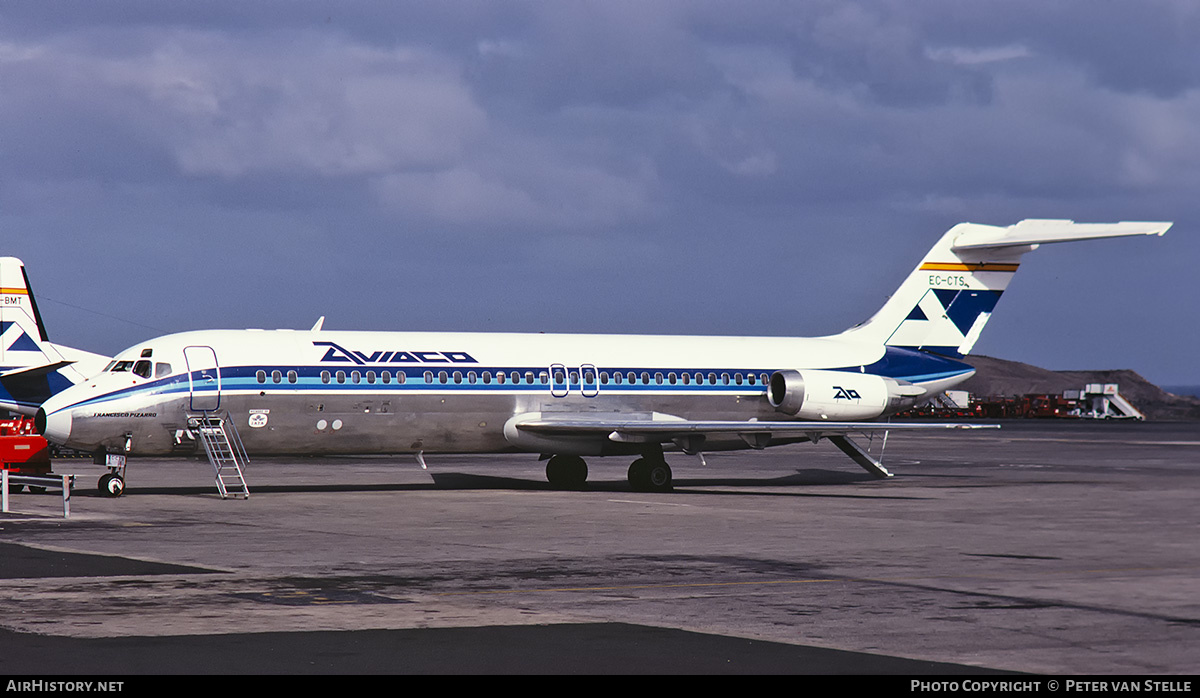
point(226, 455)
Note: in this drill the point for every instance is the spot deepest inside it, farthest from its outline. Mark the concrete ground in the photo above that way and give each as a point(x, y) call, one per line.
point(1057, 548)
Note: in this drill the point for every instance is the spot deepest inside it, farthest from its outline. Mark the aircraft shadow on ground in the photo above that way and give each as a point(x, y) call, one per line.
point(453, 480)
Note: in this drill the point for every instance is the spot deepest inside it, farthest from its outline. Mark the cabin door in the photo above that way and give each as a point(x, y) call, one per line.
point(204, 378)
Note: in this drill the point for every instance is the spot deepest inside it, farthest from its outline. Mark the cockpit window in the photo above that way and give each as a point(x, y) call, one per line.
point(162, 369)
point(142, 368)
point(121, 366)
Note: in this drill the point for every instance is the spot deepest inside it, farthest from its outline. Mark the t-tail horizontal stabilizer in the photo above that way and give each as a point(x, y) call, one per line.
point(947, 300)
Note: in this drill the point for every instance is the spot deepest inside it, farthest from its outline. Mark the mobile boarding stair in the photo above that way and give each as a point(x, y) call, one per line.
point(225, 452)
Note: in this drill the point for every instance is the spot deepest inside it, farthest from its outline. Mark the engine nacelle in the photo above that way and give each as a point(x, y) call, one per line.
point(838, 395)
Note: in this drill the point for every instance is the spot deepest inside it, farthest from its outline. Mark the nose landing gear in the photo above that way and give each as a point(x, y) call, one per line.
point(112, 483)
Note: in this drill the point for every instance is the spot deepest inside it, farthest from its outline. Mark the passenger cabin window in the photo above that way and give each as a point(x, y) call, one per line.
point(261, 376)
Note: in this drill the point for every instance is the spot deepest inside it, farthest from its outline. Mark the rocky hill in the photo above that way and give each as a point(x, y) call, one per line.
point(997, 377)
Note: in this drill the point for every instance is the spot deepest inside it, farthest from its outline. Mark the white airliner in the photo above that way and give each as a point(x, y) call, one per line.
point(562, 396)
point(31, 367)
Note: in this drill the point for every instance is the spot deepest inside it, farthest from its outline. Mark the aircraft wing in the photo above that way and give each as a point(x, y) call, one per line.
point(650, 430)
point(690, 435)
point(646, 430)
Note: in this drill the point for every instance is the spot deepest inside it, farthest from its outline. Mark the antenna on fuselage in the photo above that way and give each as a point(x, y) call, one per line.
point(320, 323)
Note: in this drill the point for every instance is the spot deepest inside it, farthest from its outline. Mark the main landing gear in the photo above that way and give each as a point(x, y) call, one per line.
point(647, 474)
point(567, 472)
point(650, 474)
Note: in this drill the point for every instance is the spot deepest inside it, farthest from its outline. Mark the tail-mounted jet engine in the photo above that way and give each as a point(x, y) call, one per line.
point(839, 395)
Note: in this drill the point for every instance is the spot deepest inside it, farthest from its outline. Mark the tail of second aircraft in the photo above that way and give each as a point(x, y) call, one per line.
point(945, 302)
point(31, 367)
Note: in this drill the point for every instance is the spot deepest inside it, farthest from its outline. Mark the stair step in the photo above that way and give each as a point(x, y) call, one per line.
point(225, 455)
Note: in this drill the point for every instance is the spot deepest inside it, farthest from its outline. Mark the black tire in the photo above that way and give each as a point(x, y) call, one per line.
point(658, 477)
point(639, 478)
point(111, 485)
point(567, 472)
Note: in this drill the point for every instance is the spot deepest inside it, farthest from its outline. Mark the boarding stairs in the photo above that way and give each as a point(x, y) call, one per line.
point(227, 455)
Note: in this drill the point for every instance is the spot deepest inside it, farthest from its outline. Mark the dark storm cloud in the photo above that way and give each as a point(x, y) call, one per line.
point(875, 49)
point(719, 167)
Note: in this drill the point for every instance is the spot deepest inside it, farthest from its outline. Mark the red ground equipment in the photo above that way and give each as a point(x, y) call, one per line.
point(22, 449)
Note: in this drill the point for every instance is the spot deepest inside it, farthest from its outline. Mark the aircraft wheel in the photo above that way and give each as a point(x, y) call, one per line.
point(14, 488)
point(658, 476)
point(111, 485)
point(567, 472)
point(638, 475)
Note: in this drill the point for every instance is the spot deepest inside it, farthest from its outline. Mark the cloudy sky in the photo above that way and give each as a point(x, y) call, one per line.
point(753, 168)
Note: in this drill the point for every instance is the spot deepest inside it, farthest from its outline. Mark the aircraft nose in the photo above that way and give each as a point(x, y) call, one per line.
point(55, 426)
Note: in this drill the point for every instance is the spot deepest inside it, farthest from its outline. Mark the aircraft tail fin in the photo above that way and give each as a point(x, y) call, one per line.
point(31, 367)
point(23, 338)
point(945, 302)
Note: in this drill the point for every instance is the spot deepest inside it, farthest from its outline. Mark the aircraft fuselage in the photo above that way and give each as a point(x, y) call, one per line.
point(331, 392)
